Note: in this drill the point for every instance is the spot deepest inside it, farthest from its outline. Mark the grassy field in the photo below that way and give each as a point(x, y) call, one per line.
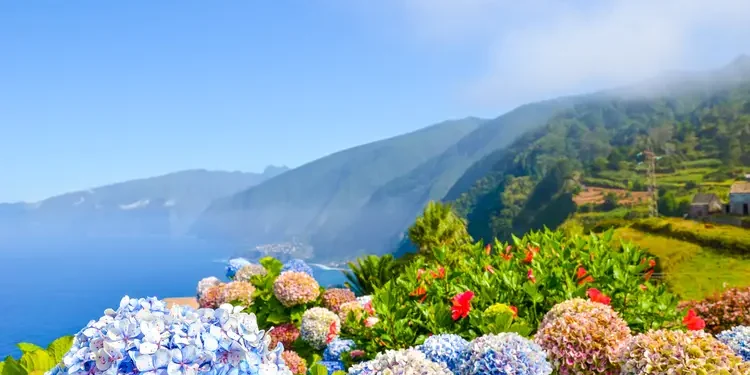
point(691, 271)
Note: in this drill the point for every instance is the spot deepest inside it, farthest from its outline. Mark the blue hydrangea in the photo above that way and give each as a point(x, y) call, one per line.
point(142, 336)
point(737, 338)
point(337, 347)
point(297, 265)
point(332, 365)
point(505, 354)
point(234, 265)
point(450, 349)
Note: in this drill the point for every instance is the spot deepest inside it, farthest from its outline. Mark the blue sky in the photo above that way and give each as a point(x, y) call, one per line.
point(95, 92)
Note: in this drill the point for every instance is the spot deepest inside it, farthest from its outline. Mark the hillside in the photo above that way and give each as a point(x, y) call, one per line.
point(533, 182)
point(158, 206)
point(317, 201)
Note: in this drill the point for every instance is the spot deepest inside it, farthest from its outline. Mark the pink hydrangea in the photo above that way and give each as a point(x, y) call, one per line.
point(295, 363)
point(333, 298)
point(285, 334)
point(295, 288)
point(211, 297)
point(238, 291)
point(583, 339)
point(679, 353)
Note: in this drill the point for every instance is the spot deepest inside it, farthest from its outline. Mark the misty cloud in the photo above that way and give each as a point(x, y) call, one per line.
point(543, 48)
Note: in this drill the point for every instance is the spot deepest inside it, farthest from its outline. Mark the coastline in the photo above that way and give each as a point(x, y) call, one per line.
point(184, 301)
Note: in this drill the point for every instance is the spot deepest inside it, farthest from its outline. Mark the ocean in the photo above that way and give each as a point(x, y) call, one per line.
point(52, 290)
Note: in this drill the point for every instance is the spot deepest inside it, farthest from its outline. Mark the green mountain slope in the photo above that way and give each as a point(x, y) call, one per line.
point(317, 201)
point(381, 222)
point(531, 183)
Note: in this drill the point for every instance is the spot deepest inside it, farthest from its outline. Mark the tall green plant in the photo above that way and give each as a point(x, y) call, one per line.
point(370, 273)
point(438, 226)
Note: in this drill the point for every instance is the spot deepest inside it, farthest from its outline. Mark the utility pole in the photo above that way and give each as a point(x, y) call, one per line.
point(653, 191)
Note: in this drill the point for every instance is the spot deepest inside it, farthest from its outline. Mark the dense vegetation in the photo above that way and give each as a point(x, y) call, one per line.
point(598, 143)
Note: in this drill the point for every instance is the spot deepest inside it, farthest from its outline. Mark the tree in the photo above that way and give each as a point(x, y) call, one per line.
point(438, 226)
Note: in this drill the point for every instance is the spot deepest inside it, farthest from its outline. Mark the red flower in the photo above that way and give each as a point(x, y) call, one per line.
point(419, 273)
point(642, 287)
point(648, 274)
point(583, 277)
point(534, 249)
point(508, 249)
point(651, 263)
point(332, 332)
point(439, 274)
point(420, 291)
point(424, 297)
point(368, 308)
point(515, 311)
point(489, 269)
point(530, 276)
point(487, 249)
point(693, 322)
point(596, 296)
point(529, 257)
point(461, 305)
point(507, 256)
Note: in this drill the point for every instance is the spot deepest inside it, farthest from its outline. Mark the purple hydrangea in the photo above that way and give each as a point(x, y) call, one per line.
point(234, 265)
point(738, 339)
point(505, 354)
point(450, 349)
point(336, 348)
point(332, 366)
point(297, 265)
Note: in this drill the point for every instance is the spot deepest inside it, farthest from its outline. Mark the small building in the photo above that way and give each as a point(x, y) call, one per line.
point(705, 205)
point(739, 198)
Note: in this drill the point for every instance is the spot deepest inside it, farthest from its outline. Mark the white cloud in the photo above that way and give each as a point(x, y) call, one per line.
point(540, 48)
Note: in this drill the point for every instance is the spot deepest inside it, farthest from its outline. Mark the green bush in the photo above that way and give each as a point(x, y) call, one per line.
point(603, 183)
point(723, 237)
point(36, 360)
point(531, 275)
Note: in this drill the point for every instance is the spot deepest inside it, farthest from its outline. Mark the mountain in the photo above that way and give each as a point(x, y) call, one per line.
point(318, 201)
point(158, 206)
point(685, 117)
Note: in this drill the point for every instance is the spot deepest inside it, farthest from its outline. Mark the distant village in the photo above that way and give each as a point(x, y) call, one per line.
point(710, 205)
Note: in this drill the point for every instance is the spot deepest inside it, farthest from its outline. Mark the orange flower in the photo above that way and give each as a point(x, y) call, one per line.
point(596, 296)
point(651, 263)
point(534, 249)
point(487, 249)
point(439, 274)
point(489, 269)
point(507, 256)
point(693, 322)
point(642, 287)
point(420, 291)
point(508, 249)
point(648, 274)
point(583, 276)
point(515, 311)
point(530, 276)
point(424, 297)
point(420, 272)
point(461, 305)
point(529, 257)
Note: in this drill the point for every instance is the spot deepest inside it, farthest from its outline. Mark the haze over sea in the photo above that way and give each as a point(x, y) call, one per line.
point(48, 290)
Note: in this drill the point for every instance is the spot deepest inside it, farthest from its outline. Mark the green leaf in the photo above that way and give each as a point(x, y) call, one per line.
point(38, 360)
point(318, 369)
point(59, 347)
point(339, 372)
point(12, 367)
point(276, 317)
point(2, 364)
point(27, 347)
point(273, 265)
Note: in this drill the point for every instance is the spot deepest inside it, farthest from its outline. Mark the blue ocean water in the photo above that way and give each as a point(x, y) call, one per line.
point(50, 290)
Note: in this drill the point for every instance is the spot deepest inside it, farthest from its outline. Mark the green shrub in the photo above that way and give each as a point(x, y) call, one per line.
point(717, 236)
point(36, 360)
point(603, 183)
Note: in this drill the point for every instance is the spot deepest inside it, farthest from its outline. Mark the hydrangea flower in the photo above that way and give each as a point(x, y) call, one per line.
point(350, 307)
point(143, 337)
point(234, 265)
point(319, 327)
point(238, 291)
point(738, 339)
point(297, 265)
point(405, 361)
point(446, 348)
point(211, 297)
point(332, 366)
point(206, 283)
point(575, 305)
point(335, 297)
point(295, 363)
point(583, 340)
point(247, 272)
point(336, 348)
point(293, 288)
point(364, 300)
point(285, 334)
point(679, 353)
point(505, 353)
